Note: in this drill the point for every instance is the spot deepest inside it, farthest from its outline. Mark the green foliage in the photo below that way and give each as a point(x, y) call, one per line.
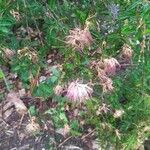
point(42, 26)
point(43, 90)
point(33, 111)
point(58, 115)
point(75, 128)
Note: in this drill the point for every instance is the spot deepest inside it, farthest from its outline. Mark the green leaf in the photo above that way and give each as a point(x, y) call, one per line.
point(63, 117)
point(75, 125)
point(4, 30)
point(43, 90)
point(75, 133)
point(32, 110)
point(54, 79)
point(82, 15)
point(55, 71)
point(52, 4)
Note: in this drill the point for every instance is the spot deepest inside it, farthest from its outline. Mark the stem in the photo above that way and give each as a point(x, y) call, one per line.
point(5, 80)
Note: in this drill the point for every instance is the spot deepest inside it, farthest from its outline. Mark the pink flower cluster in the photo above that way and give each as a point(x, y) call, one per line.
point(78, 92)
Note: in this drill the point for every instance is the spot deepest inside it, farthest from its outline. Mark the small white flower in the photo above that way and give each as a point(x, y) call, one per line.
point(78, 92)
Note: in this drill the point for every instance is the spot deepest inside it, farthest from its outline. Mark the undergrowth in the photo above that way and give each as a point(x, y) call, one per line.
point(35, 32)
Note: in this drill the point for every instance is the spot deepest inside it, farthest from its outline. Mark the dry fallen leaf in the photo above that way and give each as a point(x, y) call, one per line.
point(22, 92)
point(14, 99)
point(5, 110)
point(66, 129)
point(33, 127)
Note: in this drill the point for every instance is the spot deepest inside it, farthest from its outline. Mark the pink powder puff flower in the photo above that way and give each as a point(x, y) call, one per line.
point(110, 66)
point(79, 39)
point(78, 92)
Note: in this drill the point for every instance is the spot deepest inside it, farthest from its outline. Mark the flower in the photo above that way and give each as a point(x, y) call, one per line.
point(8, 53)
point(78, 92)
point(110, 66)
point(15, 14)
point(102, 69)
point(114, 10)
point(33, 127)
point(58, 90)
point(103, 109)
point(118, 113)
point(107, 84)
point(79, 39)
point(127, 52)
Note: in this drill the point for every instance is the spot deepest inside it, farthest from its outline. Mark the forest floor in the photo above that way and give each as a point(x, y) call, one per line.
point(14, 127)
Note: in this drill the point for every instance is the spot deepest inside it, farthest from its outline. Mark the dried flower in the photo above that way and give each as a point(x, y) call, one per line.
point(118, 113)
point(78, 92)
point(110, 66)
point(29, 53)
point(127, 52)
point(107, 84)
point(79, 39)
point(103, 68)
point(58, 90)
point(16, 14)
point(8, 52)
point(103, 109)
point(33, 127)
point(106, 126)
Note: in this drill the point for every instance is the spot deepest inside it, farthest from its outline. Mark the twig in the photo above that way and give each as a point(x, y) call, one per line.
point(83, 137)
point(5, 121)
point(64, 141)
point(22, 117)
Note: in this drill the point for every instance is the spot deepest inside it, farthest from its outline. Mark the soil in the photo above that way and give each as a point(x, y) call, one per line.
point(14, 135)
point(13, 126)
